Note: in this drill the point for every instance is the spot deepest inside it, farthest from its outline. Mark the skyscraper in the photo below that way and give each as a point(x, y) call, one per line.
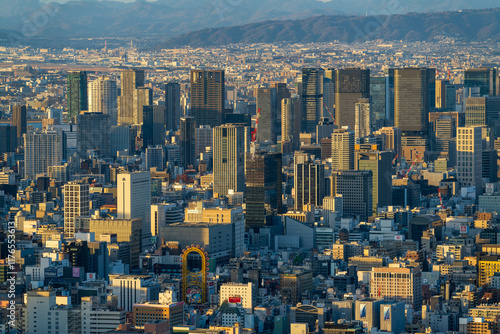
point(41, 150)
point(188, 142)
point(351, 84)
point(363, 118)
point(469, 156)
point(290, 121)
point(444, 132)
point(155, 158)
point(263, 188)
point(19, 121)
point(312, 98)
point(378, 97)
point(230, 144)
point(392, 139)
point(380, 163)
point(93, 133)
point(445, 95)
point(76, 204)
point(412, 88)
point(309, 184)
point(153, 125)
point(356, 190)
point(77, 93)
point(103, 97)
point(266, 105)
point(134, 201)
point(476, 111)
point(204, 136)
point(133, 97)
point(486, 79)
point(342, 149)
point(172, 105)
point(8, 139)
point(282, 92)
point(208, 97)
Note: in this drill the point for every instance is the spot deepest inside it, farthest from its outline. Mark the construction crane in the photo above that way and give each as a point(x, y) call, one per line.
point(441, 199)
point(394, 160)
point(328, 109)
point(413, 164)
point(254, 131)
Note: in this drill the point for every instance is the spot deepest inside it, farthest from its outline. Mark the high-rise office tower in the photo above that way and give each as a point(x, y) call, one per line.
point(446, 98)
point(153, 125)
point(329, 91)
point(342, 149)
point(312, 98)
point(445, 130)
point(103, 97)
point(172, 105)
point(76, 204)
point(121, 138)
point(134, 201)
point(356, 188)
point(19, 121)
point(380, 163)
point(263, 188)
point(266, 105)
point(378, 97)
point(475, 111)
point(290, 121)
point(412, 99)
point(363, 118)
point(392, 139)
point(309, 184)
point(133, 97)
point(41, 150)
point(399, 284)
point(204, 137)
point(208, 97)
point(188, 142)
point(93, 133)
point(486, 79)
point(8, 139)
point(351, 84)
point(282, 92)
point(230, 144)
point(77, 93)
point(469, 156)
point(155, 158)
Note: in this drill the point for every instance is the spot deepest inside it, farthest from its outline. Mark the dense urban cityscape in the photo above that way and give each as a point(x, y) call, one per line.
point(336, 188)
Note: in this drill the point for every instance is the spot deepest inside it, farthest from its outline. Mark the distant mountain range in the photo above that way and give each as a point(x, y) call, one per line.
point(169, 18)
point(466, 24)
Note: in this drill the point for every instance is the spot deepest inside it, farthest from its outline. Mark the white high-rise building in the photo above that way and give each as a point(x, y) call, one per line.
point(134, 201)
point(41, 150)
point(133, 289)
point(469, 156)
point(237, 293)
point(342, 149)
point(76, 204)
point(103, 97)
point(362, 118)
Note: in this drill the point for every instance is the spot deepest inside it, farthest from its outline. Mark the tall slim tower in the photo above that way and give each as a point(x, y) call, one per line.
point(77, 93)
point(208, 97)
point(230, 144)
point(312, 98)
point(153, 125)
point(469, 156)
point(134, 201)
point(76, 204)
point(282, 92)
point(173, 105)
point(363, 118)
point(351, 84)
point(103, 97)
point(188, 142)
point(93, 133)
point(342, 149)
point(290, 121)
point(266, 103)
point(19, 121)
